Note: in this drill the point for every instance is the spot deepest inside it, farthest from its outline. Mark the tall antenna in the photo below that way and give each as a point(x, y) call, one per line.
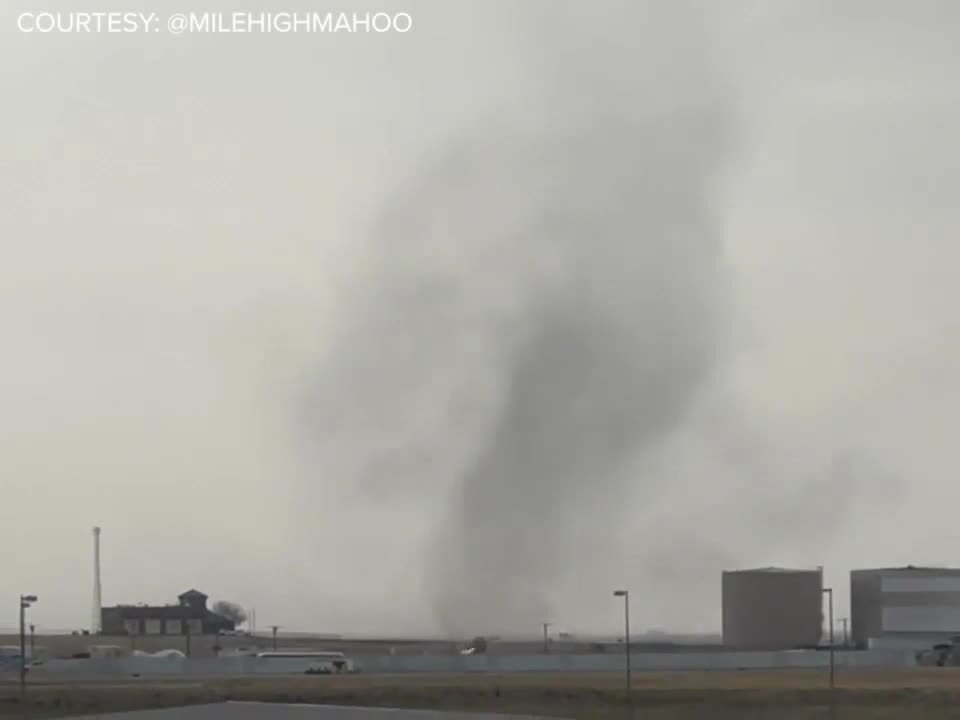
point(95, 627)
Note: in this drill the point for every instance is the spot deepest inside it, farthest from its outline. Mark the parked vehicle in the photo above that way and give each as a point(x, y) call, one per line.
point(319, 662)
point(945, 654)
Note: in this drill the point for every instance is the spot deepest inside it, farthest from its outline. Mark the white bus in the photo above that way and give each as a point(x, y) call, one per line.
point(318, 661)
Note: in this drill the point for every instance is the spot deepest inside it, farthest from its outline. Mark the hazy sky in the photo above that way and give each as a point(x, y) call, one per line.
point(272, 306)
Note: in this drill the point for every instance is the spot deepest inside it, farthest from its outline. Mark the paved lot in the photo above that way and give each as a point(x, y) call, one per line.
point(271, 711)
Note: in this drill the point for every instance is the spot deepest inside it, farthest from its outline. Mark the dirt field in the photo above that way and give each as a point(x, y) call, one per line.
point(928, 693)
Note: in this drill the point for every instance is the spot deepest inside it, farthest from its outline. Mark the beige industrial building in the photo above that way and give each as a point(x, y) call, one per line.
point(908, 607)
point(772, 608)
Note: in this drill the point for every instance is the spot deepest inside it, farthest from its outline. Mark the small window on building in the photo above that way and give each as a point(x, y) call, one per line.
point(196, 626)
point(153, 627)
point(174, 627)
point(132, 627)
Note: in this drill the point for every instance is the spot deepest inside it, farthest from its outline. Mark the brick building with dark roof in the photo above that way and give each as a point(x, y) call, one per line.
point(189, 616)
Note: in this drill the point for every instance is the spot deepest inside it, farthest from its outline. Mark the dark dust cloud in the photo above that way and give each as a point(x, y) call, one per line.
point(553, 278)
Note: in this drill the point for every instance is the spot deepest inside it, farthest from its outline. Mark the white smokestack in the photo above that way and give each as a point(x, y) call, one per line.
point(95, 625)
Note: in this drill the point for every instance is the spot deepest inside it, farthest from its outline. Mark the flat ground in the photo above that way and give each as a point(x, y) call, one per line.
point(202, 646)
point(922, 693)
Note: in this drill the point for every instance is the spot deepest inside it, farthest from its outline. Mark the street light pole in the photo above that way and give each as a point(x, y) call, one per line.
point(23, 647)
point(33, 652)
point(846, 641)
point(625, 594)
point(546, 639)
point(25, 602)
point(833, 698)
point(829, 593)
point(274, 628)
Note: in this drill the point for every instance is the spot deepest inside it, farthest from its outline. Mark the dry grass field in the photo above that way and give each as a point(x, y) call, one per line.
point(922, 694)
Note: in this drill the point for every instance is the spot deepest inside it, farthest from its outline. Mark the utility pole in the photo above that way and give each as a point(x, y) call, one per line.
point(25, 602)
point(546, 639)
point(833, 699)
point(625, 594)
point(846, 641)
point(33, 647)
point(23, 652)
point(96, 624)
point(829, 592)
point(274, 628)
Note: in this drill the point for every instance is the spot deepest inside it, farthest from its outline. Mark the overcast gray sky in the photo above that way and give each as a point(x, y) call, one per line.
point(287, 315)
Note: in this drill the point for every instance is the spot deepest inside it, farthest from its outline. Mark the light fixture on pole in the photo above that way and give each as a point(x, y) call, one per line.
point(625, 594)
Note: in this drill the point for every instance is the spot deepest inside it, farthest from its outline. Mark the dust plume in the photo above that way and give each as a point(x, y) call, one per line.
point(556, 276)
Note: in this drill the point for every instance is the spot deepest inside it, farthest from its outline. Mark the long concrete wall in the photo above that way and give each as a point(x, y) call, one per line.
point(209, 667)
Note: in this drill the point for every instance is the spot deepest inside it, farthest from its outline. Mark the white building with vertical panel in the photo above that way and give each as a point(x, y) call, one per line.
point(909, 607)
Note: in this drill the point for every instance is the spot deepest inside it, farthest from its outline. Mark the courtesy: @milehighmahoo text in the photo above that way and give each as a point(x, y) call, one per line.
point(184, 23)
